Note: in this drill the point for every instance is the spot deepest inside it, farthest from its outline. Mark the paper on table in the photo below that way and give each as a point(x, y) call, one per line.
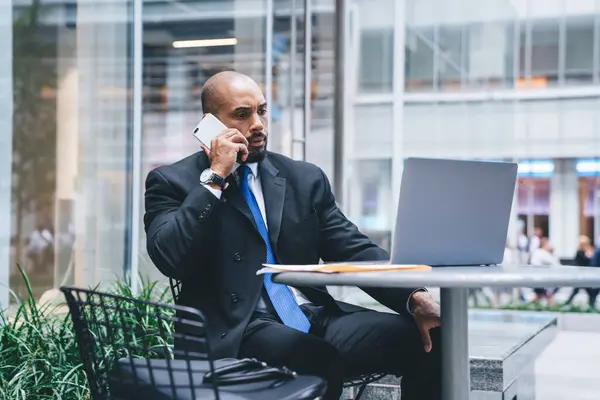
point(335, 268)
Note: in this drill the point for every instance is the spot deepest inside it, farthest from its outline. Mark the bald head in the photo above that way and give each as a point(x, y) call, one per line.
point(237, 101)
point(215, 90)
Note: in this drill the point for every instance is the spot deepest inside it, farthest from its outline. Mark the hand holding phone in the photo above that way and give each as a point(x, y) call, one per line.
point(223, 146)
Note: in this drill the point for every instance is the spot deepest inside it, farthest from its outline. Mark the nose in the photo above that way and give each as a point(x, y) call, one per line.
point(257, 123)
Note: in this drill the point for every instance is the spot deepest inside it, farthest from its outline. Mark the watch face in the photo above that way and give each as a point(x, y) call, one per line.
point(206, 175)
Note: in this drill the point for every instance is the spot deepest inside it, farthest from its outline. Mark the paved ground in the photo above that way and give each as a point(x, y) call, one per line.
point(569, 369)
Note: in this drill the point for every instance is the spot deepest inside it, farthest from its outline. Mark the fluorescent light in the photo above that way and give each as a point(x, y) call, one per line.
point(588, 166)
point(181, 44)
point(536, 167)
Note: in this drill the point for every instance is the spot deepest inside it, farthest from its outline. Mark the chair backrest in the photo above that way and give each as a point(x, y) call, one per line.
point(119, 336)
point(175, 289)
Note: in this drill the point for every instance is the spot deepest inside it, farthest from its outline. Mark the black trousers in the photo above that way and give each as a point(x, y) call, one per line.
point(592, 295)
point(341, 345)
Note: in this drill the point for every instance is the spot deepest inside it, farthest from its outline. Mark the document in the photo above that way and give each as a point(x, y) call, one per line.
point(340, 267)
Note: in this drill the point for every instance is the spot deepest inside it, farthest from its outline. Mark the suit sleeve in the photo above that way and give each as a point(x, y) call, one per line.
point(177, 229)
point(341, 241)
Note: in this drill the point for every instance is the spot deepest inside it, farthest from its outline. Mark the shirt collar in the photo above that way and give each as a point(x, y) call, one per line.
point(253, 169)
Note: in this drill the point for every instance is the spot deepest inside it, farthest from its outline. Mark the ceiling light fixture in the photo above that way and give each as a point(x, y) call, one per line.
point(181, 44)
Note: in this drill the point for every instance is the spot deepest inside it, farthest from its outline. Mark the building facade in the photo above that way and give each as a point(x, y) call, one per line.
point(97, 93)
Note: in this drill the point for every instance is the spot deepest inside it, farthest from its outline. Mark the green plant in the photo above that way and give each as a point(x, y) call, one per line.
point(39, 358)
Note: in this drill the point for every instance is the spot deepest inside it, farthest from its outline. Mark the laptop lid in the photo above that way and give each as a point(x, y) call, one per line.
point(453, 212)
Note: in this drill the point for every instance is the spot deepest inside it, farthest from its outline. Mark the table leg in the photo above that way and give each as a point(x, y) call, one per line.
point(456, 382)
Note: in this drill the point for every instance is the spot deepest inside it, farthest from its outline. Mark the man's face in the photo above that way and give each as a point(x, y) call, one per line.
point(244, 108)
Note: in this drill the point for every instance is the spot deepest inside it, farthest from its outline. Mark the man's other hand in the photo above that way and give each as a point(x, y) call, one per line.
point(427, 316)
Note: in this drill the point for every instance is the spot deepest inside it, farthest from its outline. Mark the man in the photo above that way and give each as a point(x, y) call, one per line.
point(212, 228)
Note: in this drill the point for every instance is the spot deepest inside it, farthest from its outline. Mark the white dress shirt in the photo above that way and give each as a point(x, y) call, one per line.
point(256, 189)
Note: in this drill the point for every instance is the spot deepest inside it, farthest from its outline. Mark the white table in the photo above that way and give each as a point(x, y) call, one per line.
point(454, 283)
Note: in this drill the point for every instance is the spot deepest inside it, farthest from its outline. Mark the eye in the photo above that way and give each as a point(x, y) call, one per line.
point(262, 111)
point(242, 114)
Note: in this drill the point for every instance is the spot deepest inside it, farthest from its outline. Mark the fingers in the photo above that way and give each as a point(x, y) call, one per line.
point(425, 337)
point(239, 138)
point(206, 150)
point(233, 135)
point(242, 148)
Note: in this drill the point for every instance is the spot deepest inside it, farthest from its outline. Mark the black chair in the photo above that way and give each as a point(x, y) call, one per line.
point(361, 381)
point(126, 346)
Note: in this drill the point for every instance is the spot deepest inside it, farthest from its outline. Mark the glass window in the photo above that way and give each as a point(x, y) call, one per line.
point(70, 147)
point(376, 68)
point(544, 52)
point(419, 59)
point(450, 57)
point(490, 55)
point(376, 52)
point(524, 56)
point(579, 50)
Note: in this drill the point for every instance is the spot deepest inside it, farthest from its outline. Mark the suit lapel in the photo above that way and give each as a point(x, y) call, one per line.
point(233, 195)
point(273, 187)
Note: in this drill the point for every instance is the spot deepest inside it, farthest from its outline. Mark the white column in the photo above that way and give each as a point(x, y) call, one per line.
point(6, 131)
point(67, 150)
point(564, 208)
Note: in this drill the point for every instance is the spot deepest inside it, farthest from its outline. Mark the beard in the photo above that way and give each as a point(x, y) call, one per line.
point(255, 154)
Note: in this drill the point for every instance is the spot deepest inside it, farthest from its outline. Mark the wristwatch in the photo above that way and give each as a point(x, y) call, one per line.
point(209, 176)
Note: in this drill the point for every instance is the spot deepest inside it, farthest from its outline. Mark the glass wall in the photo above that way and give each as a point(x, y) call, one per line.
point(70, 150)
point(505, 44)
point(511, 80)
point(69, 157)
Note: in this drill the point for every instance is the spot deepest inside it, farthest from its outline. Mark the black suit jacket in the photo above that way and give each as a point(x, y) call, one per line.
point(212, 245)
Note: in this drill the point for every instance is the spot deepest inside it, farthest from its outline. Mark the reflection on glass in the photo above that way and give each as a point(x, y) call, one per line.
point(544, 52)
point(419, 59)
point(490, 55)
point(450, 57)
point(376, 66)
point(70, 140)
point(579, 56)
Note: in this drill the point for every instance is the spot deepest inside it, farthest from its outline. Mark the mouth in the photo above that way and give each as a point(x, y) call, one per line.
point(258, 141)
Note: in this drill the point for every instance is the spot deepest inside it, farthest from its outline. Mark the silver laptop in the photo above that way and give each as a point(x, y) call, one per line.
point(453, 212)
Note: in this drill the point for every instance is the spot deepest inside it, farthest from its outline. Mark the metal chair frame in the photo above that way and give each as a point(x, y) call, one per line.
point(127, 349)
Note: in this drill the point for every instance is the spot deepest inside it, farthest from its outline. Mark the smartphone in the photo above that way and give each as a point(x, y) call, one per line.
point(207, 129)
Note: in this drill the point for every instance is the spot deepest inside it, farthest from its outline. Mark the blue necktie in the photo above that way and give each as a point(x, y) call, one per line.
point(281, 296)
